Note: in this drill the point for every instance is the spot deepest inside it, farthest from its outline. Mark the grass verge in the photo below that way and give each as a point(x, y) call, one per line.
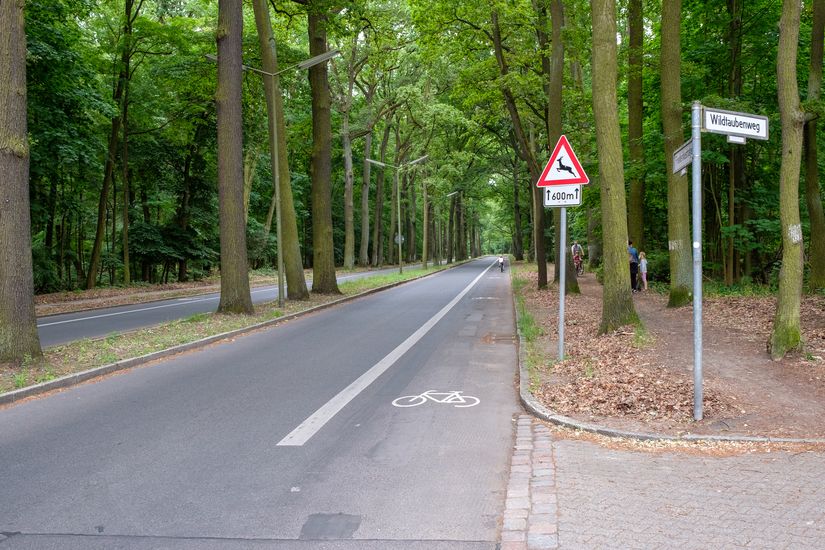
point(529, 330)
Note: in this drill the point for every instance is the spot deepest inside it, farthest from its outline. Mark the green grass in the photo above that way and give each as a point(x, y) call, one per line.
point(744, 289)
point(534, 356)
point(21, 379)
point(641, 336)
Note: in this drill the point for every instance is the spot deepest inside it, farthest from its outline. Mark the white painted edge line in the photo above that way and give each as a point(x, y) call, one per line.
point(319, 418)
point(102, 315)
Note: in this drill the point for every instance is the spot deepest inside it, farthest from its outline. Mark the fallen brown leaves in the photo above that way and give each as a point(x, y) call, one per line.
point(609, 375)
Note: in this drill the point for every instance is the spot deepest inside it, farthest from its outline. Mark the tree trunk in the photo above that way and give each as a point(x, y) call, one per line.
point(678, 210)
point(617, 305)
point(349, 206)
point(451, 231)
point(363, 256)
point(635, 115)
point(18, 323)
point(127, 275)
point(411, 210)
point(527, 154)
point(787, 333)
point(108, 173)
point(183, 214)
point(296, 286)
point(250, 164)
point(813, 197)
point(378, 224)
point(235, 293)
point(518, 242)
point(323, 251)
point(393, 235)
point(736, 165)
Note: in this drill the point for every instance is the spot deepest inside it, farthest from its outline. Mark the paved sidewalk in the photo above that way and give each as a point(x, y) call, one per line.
point(572, 494)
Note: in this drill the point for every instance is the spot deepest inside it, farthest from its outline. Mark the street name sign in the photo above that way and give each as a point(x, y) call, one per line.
point(683, 156)
point(744, 125)
point(563, 168)
point(563, 195)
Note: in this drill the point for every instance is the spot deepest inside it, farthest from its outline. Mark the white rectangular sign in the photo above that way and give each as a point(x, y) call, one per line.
point(718, 121)
point(562, 195)
point(683, 156)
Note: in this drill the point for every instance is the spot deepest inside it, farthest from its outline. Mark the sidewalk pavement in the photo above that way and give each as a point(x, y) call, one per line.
point(572, 494)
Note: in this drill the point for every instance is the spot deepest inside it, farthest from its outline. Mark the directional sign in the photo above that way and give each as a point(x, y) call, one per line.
point(731, 123)
point(562, 195)
point(563, 168)
point(683, 156)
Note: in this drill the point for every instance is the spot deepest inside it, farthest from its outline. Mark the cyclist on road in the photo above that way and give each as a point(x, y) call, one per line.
point(501, 262)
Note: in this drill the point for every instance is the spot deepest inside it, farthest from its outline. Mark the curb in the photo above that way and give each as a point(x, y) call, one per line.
point(80, 377)
point(537, 409)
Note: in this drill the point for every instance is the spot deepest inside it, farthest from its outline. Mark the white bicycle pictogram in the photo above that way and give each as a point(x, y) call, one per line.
point(450, 397)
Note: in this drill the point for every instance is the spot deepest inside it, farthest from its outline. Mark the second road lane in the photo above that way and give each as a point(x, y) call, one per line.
point(68, 327)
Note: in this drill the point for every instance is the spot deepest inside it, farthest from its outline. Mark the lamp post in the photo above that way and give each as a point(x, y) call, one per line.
point(273, 148)
point(398, 199)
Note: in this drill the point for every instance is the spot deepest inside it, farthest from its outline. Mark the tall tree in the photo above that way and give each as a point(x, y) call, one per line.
point(235, 292)
point(18, 324)
point(678, 206)
point(738, 211)
point(351, 64)
point(526, 151)
point(131, 11)
point(378, 225)
point(635, 119)
point(813, 196)
point(323, 250)
point(787, 333)
point(296, 286)
point(617, 304)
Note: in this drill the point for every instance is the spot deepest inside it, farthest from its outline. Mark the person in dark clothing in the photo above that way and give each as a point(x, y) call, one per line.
point(633, 255)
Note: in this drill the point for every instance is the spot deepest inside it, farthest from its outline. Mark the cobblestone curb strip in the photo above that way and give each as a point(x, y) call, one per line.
point(539, 410)
point(80, 377)
point(531, 508)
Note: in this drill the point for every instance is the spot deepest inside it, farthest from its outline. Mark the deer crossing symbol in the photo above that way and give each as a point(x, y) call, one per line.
point(563, 168)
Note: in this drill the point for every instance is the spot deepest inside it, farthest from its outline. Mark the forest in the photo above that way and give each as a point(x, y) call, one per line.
point(421, 132)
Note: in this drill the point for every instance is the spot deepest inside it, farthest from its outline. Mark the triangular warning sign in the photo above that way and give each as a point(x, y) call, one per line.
point(563, 168)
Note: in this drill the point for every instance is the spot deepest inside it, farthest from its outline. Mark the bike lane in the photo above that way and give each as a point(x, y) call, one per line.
point(433, 471)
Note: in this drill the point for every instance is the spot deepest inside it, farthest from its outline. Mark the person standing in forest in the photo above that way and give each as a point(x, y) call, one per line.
point(643, 269)
point(633, 256)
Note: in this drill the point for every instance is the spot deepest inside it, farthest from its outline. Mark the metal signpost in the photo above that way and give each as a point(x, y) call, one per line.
point(738, 127)
point(562, 179)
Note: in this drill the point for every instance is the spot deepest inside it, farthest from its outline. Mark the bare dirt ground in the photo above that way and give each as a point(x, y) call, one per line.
point(643, 381)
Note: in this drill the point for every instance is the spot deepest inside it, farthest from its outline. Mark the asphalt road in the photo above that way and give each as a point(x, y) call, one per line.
point(69, 327)
point(286, 438)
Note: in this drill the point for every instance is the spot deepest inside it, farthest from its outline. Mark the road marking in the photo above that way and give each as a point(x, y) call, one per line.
point(453, 397)
point(180, 301)
point(121, 313)
point(319, 418)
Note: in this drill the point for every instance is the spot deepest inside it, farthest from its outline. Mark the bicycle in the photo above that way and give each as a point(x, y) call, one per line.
point(577, 261)
point(447, 397)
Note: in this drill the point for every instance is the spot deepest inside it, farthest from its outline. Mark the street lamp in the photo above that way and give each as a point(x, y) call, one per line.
point(398, 199)
point(273, 149)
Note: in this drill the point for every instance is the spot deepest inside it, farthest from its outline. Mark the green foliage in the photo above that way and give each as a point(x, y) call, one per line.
point(430, 73)
point(45, 271)
point(746, 288)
